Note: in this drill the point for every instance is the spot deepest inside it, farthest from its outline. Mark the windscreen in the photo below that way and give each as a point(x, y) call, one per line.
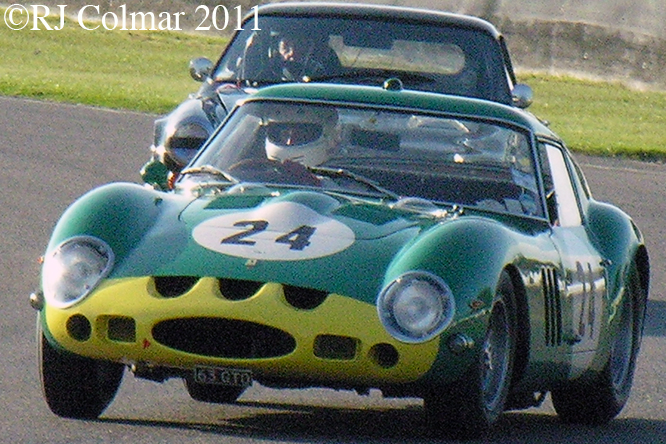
point(425, 56)
point(369, 151)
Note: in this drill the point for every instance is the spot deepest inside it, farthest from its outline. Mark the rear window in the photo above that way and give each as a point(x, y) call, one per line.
point(406, 55)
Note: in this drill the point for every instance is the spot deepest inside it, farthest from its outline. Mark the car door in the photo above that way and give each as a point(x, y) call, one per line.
point(582, 284)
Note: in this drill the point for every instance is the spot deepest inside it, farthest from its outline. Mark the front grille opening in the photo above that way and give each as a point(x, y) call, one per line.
point(238, 290)
point(174, 286)
point(304, 298)
point(79, 328)
point(121, 329)
point(384, 355)
point(224, 338)
point(336, 347)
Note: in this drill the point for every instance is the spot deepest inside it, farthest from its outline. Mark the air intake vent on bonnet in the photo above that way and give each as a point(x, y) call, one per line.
point(224, 338)
point(304, 298)
point(174, 286)
point(237, 290)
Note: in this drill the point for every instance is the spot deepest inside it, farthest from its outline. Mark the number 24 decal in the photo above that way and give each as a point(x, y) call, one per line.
point(297, 239)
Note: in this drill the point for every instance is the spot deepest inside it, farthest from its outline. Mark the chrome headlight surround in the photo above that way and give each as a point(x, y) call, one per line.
point(416, 306)
point(74, 268)
point(185, 142)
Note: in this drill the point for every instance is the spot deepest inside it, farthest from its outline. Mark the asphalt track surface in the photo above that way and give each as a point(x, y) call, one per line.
point(51, 154)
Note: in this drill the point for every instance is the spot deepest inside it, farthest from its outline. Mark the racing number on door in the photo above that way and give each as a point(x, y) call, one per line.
point(297, 239)
point(586, 319)
point(588, 300)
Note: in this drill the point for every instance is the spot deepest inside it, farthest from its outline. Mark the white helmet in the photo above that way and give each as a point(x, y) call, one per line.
point(304, 134)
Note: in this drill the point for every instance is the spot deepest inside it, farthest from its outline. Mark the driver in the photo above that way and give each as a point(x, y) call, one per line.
point(300, 57)
point(305, 134)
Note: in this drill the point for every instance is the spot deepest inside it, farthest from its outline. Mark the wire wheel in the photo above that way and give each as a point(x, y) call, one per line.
point(497, 353)
point(469, 407)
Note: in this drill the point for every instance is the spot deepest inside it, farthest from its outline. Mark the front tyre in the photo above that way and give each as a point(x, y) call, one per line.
point(74, 386)
point(469, 408)
point(594, 401)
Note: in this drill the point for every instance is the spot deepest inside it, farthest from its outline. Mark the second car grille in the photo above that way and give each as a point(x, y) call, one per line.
point(224, 338)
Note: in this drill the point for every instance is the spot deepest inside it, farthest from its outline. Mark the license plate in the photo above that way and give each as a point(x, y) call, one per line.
point(223, 376)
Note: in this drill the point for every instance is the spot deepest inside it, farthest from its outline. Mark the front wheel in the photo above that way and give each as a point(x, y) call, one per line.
point(74, 386)
point(594, 401)
point(469, 408)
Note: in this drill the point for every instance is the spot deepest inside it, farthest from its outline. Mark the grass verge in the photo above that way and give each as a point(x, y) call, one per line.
point(602, 118)
point(137, 70)
point(147, 71)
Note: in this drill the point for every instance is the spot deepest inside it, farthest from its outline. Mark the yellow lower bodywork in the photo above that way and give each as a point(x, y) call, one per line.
point(137, 299)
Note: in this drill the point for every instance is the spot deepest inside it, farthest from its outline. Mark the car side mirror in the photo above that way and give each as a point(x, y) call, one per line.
point(522, 95)
point(201, 68)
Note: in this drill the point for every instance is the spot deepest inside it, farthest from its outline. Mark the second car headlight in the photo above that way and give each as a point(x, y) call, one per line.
point(73, 269)
point(186, 141)
point(416, 306)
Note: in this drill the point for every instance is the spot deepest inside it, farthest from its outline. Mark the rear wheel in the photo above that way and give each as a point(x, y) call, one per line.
point(75, 386)
point(219, 394)
point(468, 408)
point(599, 399)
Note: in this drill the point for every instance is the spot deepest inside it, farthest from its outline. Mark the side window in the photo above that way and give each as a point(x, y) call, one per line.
point(563, 209)
point(582, 182)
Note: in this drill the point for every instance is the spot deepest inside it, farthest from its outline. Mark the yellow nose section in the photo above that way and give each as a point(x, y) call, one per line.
point(271, 332)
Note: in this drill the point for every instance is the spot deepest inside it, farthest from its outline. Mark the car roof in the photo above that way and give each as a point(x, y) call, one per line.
point(405, 99)
point(379, 12)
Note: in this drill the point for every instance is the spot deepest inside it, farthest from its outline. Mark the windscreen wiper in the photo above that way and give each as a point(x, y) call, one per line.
point(339, 172)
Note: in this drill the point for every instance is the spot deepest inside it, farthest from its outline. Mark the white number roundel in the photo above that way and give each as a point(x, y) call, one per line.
point(284, 231)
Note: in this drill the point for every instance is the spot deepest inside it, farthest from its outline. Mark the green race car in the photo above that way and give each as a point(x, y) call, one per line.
point(353, 237)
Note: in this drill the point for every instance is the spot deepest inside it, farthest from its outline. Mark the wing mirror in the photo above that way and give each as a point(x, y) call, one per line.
point(201, 68)
point(522, 95)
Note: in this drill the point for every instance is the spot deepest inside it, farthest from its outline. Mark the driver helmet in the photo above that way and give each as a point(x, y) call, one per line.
point(298, 42)
point(304, 134)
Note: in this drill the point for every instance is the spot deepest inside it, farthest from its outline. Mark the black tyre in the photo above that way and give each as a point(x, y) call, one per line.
point(218, 394)
point(469, 408)
point(599, 399)
point(74, 386)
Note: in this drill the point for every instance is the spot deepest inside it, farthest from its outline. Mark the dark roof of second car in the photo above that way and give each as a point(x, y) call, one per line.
point(366, 11)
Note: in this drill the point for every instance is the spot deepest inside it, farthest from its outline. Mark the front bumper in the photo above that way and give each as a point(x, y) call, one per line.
point(338, 340)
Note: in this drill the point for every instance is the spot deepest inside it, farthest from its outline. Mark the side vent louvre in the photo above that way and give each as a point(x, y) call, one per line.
point(552, 307)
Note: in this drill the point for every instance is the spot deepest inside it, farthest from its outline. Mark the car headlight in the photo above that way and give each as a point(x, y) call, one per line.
point(416, 307)
point(73, 269)
point(186, 141)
